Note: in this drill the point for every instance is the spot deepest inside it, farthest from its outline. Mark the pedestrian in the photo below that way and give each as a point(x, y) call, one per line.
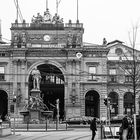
point(138, 126)
point(93, 128)
point(125, 126)
point(130, 129)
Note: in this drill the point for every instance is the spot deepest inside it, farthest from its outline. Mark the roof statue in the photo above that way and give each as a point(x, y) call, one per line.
point(46, 18)
point(38, 19)
point(56, 19)
point(104, 41)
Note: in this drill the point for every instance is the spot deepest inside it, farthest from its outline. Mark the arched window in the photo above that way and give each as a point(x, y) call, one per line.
point(3, 104)
point(128, 103)
point(113, 96)
point(92, 104)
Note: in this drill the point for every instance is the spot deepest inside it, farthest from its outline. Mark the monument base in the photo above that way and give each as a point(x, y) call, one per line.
point(35, 116)
point(33, 112)
point(35, 92)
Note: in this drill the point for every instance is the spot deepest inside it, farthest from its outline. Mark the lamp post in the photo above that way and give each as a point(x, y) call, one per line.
point(57, 107)
point(134, 92)
point(14, 101)
point(107, 104)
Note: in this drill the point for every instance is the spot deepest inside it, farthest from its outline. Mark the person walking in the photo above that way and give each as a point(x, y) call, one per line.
point(93, 128)
point(125, 126)
point(130, 128)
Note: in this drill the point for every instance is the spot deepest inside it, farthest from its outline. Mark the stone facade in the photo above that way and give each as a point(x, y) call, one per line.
point(85, 67)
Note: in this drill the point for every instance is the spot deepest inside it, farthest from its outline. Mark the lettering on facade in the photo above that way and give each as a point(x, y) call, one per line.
point(48, 45)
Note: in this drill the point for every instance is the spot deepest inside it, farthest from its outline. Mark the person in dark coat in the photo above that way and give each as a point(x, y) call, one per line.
point(125, 126)
point(93, 128)
point(138, 126)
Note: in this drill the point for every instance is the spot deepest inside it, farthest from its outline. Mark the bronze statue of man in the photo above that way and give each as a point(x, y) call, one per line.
point(36, 78)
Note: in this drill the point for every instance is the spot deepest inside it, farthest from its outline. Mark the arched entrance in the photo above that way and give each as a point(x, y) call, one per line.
point(92, 104)
point(52, 87)
point(113, 96)
point(3, 104)
point(128, 103)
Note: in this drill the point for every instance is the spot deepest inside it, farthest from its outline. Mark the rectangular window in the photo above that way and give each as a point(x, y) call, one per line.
point(1, 70)
point(57, 80)
point(52, 78)
point(112, 71)
point(128, 75)
point(2, 73)
point(112, 75)
point(128, 78)
point(92, 72)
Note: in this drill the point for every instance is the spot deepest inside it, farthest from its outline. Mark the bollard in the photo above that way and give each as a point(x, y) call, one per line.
point(27, 125)
point(101, 131)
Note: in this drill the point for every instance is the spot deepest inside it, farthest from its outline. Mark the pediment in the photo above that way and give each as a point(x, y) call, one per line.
point(120, 50)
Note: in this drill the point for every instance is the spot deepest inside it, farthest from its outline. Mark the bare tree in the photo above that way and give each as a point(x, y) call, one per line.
point(130, 65)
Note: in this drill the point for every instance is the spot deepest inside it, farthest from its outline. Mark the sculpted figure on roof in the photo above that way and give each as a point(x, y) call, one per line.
point(47, 17)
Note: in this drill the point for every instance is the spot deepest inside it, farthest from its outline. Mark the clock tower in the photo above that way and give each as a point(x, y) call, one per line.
point(55, 48)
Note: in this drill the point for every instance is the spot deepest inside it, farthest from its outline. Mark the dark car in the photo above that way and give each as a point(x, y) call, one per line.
point(76, 120)
point(89, 119)
point(117, 119)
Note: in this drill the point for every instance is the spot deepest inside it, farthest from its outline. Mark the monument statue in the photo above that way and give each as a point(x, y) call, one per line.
point(36, 78)
point(36, 103)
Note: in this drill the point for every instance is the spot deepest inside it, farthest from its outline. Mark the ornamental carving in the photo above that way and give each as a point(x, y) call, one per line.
point(46, 18)
point(74, 40)
point(35, 37)
point(19, 39)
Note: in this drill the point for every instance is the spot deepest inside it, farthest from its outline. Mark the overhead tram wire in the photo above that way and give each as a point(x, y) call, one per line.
point(18, 10)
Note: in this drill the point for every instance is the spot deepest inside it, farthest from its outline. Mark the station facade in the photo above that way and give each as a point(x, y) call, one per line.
point(80, 75)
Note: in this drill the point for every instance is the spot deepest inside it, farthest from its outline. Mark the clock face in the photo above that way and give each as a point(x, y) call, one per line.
point(46, 37)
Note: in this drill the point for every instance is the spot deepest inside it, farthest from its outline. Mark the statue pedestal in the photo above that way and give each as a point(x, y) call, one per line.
point(35, 92)
point(35, 113)
point(35, 116)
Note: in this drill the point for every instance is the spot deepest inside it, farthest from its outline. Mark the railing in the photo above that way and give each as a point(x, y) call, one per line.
point(20, 25)
point(46, 25)
point(74, 25)
point(5, 124)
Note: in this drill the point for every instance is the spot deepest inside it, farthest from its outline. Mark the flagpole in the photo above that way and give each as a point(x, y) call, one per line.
point(56, 6)
point(46, 5)
point(17, 11)
point(77, 10)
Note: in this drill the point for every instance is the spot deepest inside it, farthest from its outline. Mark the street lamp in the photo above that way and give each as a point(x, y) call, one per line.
point(14, 101)
point(57, 107)
point(107, 104)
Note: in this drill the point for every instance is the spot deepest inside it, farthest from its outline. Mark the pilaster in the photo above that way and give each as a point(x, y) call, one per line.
point(15, 76)
point(120, 105)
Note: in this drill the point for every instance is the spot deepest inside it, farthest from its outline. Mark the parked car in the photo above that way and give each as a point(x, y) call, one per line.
point(80, 120)
point(76, 120)
point(117, 119)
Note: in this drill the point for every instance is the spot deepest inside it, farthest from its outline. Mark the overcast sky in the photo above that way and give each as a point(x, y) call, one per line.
point(112, 19)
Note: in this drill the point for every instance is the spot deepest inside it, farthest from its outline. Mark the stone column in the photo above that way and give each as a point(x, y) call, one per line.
point(120, 105)
point(23, 75)
point(15, 76)
point(103, 108)
point(78, 79)
point(69, 80)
